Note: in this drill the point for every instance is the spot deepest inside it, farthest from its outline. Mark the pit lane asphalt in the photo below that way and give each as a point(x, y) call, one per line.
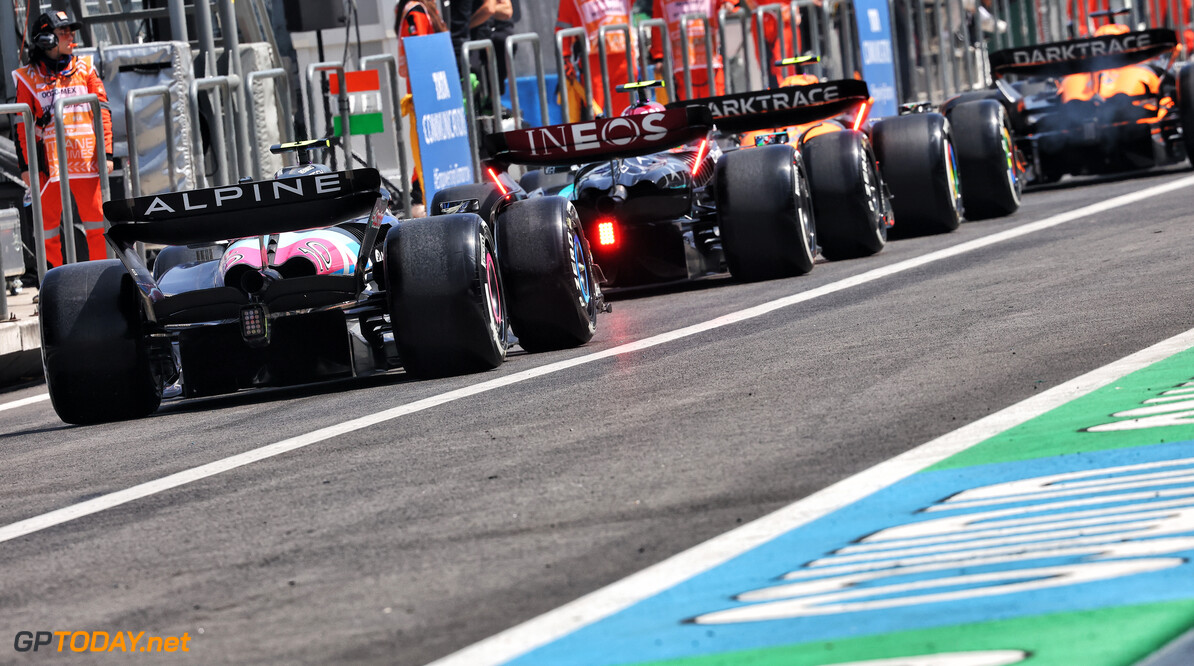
point(417, 537)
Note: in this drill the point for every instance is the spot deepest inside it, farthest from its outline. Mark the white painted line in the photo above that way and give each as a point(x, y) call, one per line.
point(547, 628)
point(25, 401)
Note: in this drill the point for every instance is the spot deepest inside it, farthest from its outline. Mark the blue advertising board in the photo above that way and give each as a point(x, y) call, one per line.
point(444, 152)
point(878, 56)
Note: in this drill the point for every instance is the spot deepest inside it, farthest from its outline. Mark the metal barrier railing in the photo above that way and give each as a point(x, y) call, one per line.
point(132, 174)
point(313, 70)
point(710, 73)
point(576, 35)
point(646, 38)
point(725, 18)
point(818, 30)
point(390, 63)
point(282, 97)
point(66, 232)
point(227, 170)
point(512, 43)
point(39, 231)
point(490, 84)
point(603, 58)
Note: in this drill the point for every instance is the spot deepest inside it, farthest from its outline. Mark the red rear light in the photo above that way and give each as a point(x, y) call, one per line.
point(606, 234)
point(700, 156)
point(862, 114)
point(497, 181)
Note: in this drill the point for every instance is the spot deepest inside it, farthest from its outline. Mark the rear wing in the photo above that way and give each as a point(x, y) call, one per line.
point(793, 105)
point(255, 208)
point(1082, 56)
point(602, 139)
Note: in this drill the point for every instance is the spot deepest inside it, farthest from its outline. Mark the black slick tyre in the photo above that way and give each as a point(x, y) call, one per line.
point(444, 295)
point(487, 196)
point(547, 273)
point(916, 159)
point(991, 184)
point(94, 348)
point(764, 213)
point(1185, 107)
point(849, 204)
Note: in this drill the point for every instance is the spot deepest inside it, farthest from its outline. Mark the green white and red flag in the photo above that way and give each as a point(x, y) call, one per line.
point(364, 102)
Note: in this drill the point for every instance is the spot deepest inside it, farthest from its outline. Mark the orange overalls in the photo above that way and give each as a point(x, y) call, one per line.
point(592, 14)
point(39, 88)
point(673, 11)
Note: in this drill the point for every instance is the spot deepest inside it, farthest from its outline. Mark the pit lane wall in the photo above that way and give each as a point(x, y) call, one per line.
point(1064, 540)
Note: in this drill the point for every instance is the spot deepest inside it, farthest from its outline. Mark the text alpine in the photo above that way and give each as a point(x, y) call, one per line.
point(268, 191)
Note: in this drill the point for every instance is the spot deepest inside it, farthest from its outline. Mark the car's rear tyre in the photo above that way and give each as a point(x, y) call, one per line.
point(991, 184)
point(849, 203)
point(94, 349)
point(444, 295)
point(487, 196)
point(764, 213)
point(1185, 107)
point(916, 158)
point(548, 274)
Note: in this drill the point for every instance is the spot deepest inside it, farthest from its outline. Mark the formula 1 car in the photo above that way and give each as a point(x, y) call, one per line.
point(1109, 103)
point(319, 282)
point(661, 205)
point(917, 152)
point(664, 203)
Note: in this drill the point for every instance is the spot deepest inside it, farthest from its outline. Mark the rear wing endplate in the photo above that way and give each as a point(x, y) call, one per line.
point(779, 107)
point(254, 208)
point(1082, 56)
point(602, 139)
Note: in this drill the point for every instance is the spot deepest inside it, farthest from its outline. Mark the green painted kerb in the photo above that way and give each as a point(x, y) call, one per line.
point(1062, 430)
point(1107, 637)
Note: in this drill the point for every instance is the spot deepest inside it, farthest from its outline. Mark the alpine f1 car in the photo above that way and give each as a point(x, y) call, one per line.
point(318, 282)
point(1112, 102)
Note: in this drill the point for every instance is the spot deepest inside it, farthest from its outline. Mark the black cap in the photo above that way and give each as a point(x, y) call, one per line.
point(52, 20)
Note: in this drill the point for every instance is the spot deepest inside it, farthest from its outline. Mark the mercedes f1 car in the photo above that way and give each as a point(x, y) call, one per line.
point(1109, 103)
point(663, 202)
point(319, 282)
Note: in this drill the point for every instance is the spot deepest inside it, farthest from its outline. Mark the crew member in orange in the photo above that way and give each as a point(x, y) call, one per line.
point(54, 72)
point(673, 11)
point(591, 15)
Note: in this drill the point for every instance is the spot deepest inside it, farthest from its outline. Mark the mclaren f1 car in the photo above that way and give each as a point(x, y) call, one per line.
point(1112, 102)
point(302, 278)
point(935, 170)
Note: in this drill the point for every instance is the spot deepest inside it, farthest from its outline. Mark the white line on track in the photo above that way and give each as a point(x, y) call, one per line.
point(700, 558)
point(25, 401)
point(547, 629)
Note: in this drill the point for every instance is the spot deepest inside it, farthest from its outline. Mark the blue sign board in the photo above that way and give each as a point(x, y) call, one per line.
point(878, 56)
point(444, 152)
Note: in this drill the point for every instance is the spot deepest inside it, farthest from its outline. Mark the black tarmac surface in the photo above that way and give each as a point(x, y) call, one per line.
point(406, 541)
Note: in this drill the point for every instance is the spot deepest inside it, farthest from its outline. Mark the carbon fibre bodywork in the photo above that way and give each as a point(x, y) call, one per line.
point(325, 310)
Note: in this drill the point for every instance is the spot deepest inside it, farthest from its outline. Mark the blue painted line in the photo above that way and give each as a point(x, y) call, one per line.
point(660, 627)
